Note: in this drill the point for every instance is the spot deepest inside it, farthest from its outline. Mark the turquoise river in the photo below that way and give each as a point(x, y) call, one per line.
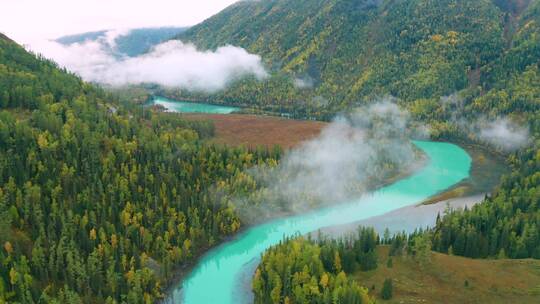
point(191, 107)
point(215, 279)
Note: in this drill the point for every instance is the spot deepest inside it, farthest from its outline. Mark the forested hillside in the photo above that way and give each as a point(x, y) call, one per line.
point(508, 223)
point(328, 55)
point(98, 205)
point(363, 268)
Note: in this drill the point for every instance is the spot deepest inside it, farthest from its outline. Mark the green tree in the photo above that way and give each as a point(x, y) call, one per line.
point(387, 290)
point(421, 249)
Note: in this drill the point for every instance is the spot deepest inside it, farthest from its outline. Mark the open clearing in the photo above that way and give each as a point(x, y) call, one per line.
point(453, 279)
point(253, 130)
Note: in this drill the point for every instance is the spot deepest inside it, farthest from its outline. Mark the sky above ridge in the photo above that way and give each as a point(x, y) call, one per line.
point(27, 20)
point(36, 24)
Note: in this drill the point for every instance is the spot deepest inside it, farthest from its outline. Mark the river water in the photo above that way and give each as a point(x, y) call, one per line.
point(191, 107)
point(218, 276)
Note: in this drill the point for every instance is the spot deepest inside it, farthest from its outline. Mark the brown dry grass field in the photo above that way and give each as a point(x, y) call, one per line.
point(253, 130)
point(443, 280)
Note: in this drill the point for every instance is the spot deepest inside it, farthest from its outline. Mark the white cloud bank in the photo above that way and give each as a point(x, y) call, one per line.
point(500, 132)
point(504, 133)
point(171, 64)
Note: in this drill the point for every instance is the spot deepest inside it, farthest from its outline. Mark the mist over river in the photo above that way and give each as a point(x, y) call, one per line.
point(220, 274)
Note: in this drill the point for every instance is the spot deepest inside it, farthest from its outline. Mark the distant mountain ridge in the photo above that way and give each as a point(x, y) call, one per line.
point(82, 37)
point(129, 43)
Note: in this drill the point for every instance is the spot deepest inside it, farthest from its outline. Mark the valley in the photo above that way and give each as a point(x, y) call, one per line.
point(270, 152)
point(222, 267)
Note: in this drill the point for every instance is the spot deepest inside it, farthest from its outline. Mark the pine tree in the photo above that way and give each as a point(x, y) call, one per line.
point(387, 291)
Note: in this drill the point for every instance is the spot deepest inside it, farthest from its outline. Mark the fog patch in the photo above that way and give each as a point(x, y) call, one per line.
point(500, 131)
point(303, 83)
point(319, 102)
point(355, 153)
point(452, 100)
point(170, 64)
point(504, 134)
point(110, 37)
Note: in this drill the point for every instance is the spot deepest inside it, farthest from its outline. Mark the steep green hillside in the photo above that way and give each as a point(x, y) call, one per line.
point(508, 223)
point(354, 50)
point(97, 204)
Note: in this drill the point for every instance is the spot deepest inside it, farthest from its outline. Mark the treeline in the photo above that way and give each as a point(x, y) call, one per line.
point(505, 225)
point(97, 204)
point(304, 270)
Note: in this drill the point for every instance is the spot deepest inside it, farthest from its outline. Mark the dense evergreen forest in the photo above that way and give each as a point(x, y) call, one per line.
point(301, 270)
point(98, 204)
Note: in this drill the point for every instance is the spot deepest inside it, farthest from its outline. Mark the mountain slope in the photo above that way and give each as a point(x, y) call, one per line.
point(99, 204)
point(329, 55)
point(485, 54)
point(354, 50)
point(130, 43)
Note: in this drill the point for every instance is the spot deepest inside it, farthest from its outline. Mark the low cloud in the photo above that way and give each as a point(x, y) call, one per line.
point(171, 64)
point(500, 132)
point(110, 37)
point(503, 133)
point(319, 102)
point(354, 154)
point(303, 83)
